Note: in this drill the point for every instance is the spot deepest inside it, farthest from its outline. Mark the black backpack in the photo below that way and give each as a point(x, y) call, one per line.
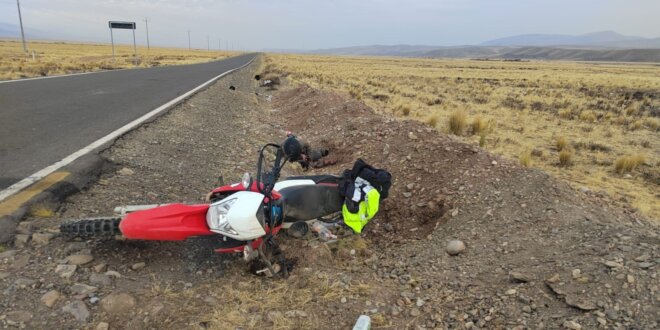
point(378, 178)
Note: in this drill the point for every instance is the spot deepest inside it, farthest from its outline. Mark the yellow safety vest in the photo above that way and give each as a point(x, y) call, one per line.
point(367, 210)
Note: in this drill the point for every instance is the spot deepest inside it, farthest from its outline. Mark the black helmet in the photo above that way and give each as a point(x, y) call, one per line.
point(292, 148)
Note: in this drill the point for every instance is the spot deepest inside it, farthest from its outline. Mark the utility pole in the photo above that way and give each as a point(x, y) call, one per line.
point(227, 45)
point(188, 39)
point(20, 20)
point(219, 44)
point(208, 43)
point(146, 21)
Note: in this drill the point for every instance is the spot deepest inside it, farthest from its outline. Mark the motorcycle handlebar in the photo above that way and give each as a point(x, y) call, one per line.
point(274, 173)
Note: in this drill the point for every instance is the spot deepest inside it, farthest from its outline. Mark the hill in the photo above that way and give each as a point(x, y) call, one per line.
point(596, 39)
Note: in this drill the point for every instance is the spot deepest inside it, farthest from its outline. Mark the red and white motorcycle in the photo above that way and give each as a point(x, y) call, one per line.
point(245, 216)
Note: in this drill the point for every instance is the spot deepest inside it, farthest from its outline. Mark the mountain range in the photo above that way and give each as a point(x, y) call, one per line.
point(597, 46)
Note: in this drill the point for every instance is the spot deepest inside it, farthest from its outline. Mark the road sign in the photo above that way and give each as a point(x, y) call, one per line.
point(122, 25)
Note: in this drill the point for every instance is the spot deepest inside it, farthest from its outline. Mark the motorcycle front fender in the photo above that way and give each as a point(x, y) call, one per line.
point(174, 222)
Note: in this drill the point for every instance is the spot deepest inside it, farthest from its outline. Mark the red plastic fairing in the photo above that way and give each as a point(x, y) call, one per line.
point(173, 222)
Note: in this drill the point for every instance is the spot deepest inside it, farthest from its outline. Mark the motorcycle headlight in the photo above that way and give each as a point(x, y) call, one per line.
point(246, 180)
point(217, 217)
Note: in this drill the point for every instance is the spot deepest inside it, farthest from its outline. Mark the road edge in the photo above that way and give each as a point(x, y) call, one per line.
point(88, 165)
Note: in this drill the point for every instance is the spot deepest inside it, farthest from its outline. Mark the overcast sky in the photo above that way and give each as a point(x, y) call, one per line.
point(312, 24)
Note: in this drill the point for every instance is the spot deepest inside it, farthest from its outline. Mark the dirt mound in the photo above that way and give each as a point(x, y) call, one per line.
point(424, 164)
point(539, 254)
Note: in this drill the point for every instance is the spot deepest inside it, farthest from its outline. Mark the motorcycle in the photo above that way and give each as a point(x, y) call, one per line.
point(245, 216)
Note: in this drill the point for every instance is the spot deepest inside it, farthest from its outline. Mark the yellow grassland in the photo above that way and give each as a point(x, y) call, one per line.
point(603, 111)
point(55, 58)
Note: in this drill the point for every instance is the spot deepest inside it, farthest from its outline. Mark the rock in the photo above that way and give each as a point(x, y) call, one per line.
point(23, 283)
point(527, 309)
point(494, 163)
point(79, 259)
point(8, 254)
point(4, 275)
point(126, 171)
point(642, 258)
point(455, 247)
point(612, 314)
point(78, 309)
point(20, 240)
point(552, 279)
point(343, 300)
point(601, 321)
point(100, 279)
point(419, 302)
point(520, 277)
point(572, 325)
point(83, 289)
point(630, 279)
point(579, 303)
point(74, 247)
point(50, 298)
point(576, 273)
point(94, 300)
point(273, 316)
point(42, 238)
point(116, 304)
point(211, 300)
point(103, 326)
point(295, 314)
point(19, 316)
point(138, 266)
point(24, 227)
point(510, 292)
point(113, 274)
point(66, 271)
point(613, 264)
point(645, 265)
point(415, 312)
point(100, 268)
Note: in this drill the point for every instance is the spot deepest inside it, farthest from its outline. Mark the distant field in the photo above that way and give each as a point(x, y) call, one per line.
point(595, 124)
point(54, 58)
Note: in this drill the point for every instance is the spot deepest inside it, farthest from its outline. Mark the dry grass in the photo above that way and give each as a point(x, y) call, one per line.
point(628, 163)
point(528, 104)
point(55, 58)
point(479, 125)
point(565, 157)
point(561, 143)
point(457, 122)
point(433, 120)
point(525, 158)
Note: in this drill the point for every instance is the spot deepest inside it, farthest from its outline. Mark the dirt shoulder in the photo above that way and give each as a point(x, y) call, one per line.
point(538, 253)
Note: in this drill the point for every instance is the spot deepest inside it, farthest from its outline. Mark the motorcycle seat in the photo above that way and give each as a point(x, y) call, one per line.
point(308, 202)
point(321, 178)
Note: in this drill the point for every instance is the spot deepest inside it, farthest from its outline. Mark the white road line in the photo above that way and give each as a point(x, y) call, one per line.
point(65, 75)
point(18, 186)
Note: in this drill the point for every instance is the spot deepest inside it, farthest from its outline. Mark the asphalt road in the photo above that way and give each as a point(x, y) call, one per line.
point(44, 120)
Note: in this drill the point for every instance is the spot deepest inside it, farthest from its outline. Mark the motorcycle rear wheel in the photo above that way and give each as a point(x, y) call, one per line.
point(107, 227)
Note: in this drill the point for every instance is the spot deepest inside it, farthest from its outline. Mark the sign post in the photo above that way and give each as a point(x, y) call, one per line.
point(123, 25)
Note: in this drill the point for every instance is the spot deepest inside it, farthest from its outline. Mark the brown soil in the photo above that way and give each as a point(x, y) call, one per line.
point(539, 254)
